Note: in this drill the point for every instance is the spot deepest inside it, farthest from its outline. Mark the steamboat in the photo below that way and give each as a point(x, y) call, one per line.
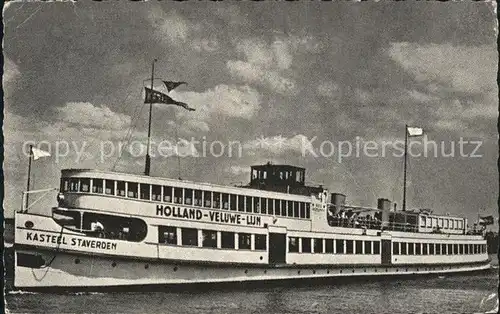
point(112, 229)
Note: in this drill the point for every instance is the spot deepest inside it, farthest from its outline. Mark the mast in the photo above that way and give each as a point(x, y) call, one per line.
point(404, 175)
point(148, 158)
point(29, 177)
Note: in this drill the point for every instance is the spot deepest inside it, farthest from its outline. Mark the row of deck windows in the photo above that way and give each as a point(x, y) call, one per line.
point(334, 246)
point(444, 223)
point(340, 246)
point(207, 199)
point(211, 238)
point(408, 248)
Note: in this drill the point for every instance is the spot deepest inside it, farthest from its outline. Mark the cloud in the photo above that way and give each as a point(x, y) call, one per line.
point(196, 125)
point(245, 70)
point(329, 89)
point(254, 73)
point(304, 44)
point(453, 87)
point(463, 116)
point(457, 83)
point(19, 129)
point(163, 148)
point(231, 14)
point(10, 71)
point(78, 131)
point(238, 170)
point(422, 97)
point(221, 102)
point(459, 68)
point(87, 115)
point(279, 53)
point(362, 96)
point(282, 54)
point(171, 27)
point(11, 74)
point(227, 100)
point(281, 84)
point(278, 145)
point(269, 64)
point(205, 44)
point(64, 137)
point(256, 51)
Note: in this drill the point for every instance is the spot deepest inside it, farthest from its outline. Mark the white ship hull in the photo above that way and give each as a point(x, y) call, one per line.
point(99, 240)
point(82, 271)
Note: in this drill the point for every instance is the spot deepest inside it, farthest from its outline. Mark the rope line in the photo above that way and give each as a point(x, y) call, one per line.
point(135, 118)
point(179, 170)
point(47, 266)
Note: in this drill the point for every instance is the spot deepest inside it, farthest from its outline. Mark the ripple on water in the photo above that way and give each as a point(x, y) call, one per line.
point(452, 294)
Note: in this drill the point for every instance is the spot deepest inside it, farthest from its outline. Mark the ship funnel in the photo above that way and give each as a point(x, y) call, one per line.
point(384, 205)
point(338, 202)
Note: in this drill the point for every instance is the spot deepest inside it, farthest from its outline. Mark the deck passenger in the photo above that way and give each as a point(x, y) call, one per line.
point(98, 228)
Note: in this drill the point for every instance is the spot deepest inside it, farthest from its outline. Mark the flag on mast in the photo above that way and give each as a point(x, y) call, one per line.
point(153, 96)
point(38, 153)
point(184, 105)
point(414, 131)
point(486, 220)
point(172, 85)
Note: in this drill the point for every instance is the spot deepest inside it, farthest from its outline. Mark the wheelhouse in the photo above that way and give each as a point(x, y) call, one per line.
point(281, 178)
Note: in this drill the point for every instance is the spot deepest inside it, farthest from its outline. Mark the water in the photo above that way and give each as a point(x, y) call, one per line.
point(441, 294)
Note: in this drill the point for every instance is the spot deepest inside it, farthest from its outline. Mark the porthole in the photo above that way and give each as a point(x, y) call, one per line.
point(175, 268)
point(298, 272)
point(265, 271)
point(246, 271)
point(261, 258)
point(77, 261)
point(29, 224)
point(353, 270)
point(341, 271)
point(376, 270)
point(365, 270)
point(113, 264)
point(146, 266)
point(328, 271)
point(314, 272)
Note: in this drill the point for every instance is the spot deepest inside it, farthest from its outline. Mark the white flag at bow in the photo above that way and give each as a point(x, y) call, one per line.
point(38, 153)
point(413, 131)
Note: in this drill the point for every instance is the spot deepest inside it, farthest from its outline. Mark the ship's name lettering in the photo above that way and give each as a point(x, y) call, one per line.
point(213, 216)
point(57, 239)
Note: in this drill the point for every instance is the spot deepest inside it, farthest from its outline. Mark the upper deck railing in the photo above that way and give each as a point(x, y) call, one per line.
point(370, 223)
point(341, 215)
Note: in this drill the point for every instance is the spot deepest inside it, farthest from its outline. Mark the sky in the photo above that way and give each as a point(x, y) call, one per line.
point(285, 82)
